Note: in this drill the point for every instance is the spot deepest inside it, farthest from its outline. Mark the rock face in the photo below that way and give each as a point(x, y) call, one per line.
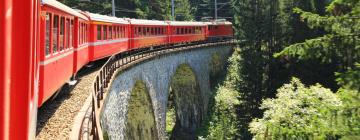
point(156, 76)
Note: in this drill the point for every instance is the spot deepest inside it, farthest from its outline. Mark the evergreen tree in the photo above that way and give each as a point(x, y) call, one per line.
point(183, 10)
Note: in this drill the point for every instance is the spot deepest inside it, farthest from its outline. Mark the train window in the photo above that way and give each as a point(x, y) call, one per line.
point(55, 33)
point(124, 32)
point(84, 33)
point(114, 32)
point(47, 34)
point(71, 33)
point(98, 37)
point(143, 31)
point(110, 32)
point(138, 31)
point(67, 44)
point(120, 32)
point(177, 30)
point(182, 31)
point(61, 37)
point(104, 32)
point(79, 33)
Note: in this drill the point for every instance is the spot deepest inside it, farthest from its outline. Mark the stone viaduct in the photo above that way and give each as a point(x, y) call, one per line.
point(138, 97)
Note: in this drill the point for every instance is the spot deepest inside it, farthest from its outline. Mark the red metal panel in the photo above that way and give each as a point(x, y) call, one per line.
point(18, 69)
point(99, 49)
point(102, 51)
point(143, 42)
point(55, 74)
point(221, 31)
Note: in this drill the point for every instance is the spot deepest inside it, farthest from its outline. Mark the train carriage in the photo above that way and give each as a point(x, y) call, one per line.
point(183, 31)
point(147, 33)
point(218, 30)
point(81, 45)
point(56, 46)
point(108, 36)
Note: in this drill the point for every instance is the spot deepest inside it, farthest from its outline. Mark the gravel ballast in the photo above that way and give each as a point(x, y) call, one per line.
point(56, 117)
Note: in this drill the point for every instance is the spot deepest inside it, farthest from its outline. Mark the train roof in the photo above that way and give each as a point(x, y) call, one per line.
point(146, 22)
point(103, 18)
point(186, 23)
point(218, 23)
point(63, 7)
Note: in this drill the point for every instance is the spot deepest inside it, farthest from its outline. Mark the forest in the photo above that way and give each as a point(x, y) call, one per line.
point(295, 74)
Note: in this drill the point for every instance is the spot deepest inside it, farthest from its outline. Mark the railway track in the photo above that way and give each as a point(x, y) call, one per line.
point(56, 117)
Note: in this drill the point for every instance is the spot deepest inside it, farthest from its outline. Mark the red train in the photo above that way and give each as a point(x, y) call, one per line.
point(56, 41)
point(70, 39)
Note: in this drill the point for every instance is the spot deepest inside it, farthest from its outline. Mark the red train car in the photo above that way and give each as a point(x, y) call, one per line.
point(182, 31)
point(219, 30)
point(80, 42)
point(19, 68)
point(108, 36)
point(57, 32)
point(147, 33)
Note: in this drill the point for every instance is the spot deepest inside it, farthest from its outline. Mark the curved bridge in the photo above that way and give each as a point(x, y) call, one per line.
point(126, 96)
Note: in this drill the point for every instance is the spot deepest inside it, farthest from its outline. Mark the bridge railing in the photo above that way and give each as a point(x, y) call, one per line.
point(105, 74)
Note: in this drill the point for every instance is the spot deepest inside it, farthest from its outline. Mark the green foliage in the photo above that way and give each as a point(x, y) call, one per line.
point(341, 43)
point(183, 10)
point(170, 120)
point(184, 75)
point(300, 112)
point(105, 135)
point(349, 115)
point(351, 78)
point(224, 123)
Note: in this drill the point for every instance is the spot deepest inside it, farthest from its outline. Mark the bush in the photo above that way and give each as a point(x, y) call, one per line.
point(299, 112)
